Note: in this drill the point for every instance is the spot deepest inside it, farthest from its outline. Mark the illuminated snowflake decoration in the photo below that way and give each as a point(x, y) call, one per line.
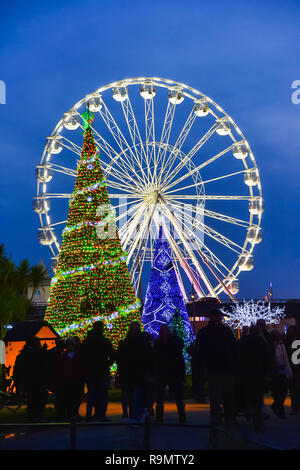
point(247, 313)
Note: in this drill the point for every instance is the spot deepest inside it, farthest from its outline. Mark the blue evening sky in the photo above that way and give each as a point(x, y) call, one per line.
point(245, 55)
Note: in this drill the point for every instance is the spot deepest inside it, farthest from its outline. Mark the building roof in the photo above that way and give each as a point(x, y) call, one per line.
point(25, 330)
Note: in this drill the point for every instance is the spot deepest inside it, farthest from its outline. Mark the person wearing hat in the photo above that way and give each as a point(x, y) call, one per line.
point(216, 353)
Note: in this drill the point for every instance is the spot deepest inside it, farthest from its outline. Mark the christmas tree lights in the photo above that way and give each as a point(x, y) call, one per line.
point(91, 280)
point(163, 295)
point(178, 328)
point(248, 312)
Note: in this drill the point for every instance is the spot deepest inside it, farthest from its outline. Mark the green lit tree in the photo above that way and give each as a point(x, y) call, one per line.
point(178, 328)
point(91, 281)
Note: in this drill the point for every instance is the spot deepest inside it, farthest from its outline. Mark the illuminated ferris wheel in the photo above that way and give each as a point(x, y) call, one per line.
point(173, 158)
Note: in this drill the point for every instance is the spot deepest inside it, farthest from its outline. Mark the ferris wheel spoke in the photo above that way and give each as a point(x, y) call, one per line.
point(124, 165)
point(70, 145)
point(142, 242)
point(58, 223)
point(62, 169)
point(173, 219)
point(196, 169)
point(193, 151)
point(179, 142)
point(209, 181)
point(205, 260)
point(206, 197)
point(117, 185)
point(227, 218)
point(126, 213)
point(182, 260)
point(122, 195)
point(165, 135)
point(130, 226)
point(143, 227)
point(134, 129)
point(192, 228)
point(180, 282)
point(56, 196)
point(175, 261)
point(208, 254)
point(113, 172)
point(150, 132)
point(119, 137)
point(218, 216)
point(215, 235)
point(108, 149)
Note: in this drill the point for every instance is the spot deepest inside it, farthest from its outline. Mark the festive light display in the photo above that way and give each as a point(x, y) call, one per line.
point(248, 312)
point(91, 281)
point(163, 294)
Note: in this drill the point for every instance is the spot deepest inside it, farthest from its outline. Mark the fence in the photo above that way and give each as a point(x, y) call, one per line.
point(213, 443)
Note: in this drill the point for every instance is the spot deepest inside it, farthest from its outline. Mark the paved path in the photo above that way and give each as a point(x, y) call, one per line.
point(281, 434)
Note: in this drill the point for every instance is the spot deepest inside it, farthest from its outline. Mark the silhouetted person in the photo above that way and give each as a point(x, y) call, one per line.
point(198, 378)
point(30, 377)
point(294, 386)
point(216, 351)
point(69, 378)
point(97, 355)
point(253, 370)
point(169, 369)
point(281, 374)
point(122, 381)
point(52, 358)
point(135, 353)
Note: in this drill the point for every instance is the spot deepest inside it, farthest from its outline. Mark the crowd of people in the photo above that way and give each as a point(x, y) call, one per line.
point(234, 373)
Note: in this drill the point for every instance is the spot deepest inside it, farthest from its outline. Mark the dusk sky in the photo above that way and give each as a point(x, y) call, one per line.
point(244, 55)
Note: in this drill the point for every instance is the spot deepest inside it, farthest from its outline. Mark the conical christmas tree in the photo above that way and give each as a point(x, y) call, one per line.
point(91, 281)
point(163, 296)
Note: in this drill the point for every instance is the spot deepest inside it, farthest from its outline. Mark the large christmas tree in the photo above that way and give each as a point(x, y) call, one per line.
point(163, 296)
point(91, 281)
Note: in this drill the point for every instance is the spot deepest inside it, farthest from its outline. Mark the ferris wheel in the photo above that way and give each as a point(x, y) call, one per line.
point(172, 157)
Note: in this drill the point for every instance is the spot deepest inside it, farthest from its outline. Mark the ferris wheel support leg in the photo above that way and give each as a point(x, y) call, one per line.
point(183, 263)
point(189, 251)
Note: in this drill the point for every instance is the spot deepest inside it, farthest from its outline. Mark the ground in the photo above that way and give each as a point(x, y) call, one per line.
point(279, 434)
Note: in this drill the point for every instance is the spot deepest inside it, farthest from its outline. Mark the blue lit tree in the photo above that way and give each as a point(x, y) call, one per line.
point(163, 295)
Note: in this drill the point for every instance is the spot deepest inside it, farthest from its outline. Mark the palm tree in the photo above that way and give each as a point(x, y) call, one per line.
point(38, 276)
point(14, 283)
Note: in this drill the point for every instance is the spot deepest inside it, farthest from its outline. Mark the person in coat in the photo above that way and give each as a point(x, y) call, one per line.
point(30, 373)
point(69, 382)
point(216, 352)
point(254, 364)
point(134, 361)
point(169, 369)
point(292, 336)
point(97, 356)
point(281, 374)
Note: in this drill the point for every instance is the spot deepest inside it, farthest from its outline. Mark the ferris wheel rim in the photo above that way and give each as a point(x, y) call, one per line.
point(185, 90)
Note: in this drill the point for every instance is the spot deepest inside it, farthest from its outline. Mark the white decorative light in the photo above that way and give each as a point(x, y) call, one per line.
point(248, 312)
